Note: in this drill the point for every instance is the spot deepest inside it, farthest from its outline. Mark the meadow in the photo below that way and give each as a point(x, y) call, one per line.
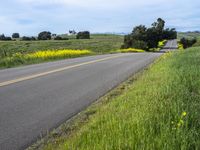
point(99, 43)
point(157, 109)
point(190, 35)
point(14, 53)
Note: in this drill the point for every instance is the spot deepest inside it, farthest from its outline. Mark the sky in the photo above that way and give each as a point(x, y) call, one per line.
point(29, 17)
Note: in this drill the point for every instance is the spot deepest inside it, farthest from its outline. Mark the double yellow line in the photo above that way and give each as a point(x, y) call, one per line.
point(54, 71)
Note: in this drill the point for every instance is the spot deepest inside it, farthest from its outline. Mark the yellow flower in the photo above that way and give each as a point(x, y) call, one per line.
point(184, 114)
point(129, 50)
point(66, 53)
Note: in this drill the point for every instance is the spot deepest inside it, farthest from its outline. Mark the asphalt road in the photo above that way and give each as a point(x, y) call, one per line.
point(38, 98)
point(171, 45)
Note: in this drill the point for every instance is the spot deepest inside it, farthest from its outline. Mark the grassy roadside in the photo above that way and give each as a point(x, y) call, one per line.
point(160, 110)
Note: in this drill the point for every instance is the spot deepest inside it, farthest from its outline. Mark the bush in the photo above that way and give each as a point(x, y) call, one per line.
point(15, 35)
point(33, 38)
point(25, 38)
point(60, 38)
point(4, 38)
point(8, 39)
point(130, 43)
point(187, 42)
point(83, 35)
point(45, 35)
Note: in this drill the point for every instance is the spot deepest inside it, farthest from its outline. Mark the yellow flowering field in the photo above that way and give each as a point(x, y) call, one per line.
point(49, 54)
point(41, 56)
point(133, 50)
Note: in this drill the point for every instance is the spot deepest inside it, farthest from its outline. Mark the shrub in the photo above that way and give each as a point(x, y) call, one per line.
point(187, 42)
point(26, 38)
point(15, 35)
point(60, 38)
point(45, 35)
point(8, 39)
point(4, 38)
point(33, 38)
point(83, 35)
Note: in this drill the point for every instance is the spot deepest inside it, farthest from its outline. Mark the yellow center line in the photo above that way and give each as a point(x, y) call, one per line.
point(54, 71)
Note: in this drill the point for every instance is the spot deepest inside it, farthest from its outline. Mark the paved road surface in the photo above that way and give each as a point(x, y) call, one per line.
point(171, 45)
point(37, 98)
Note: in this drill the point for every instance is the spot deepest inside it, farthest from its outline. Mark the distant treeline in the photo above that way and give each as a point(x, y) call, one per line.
point(46, 35)
point(148, 38)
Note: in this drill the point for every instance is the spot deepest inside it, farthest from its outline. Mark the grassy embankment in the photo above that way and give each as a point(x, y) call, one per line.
point(160, 110)
point(15, 53)
point(190, 35)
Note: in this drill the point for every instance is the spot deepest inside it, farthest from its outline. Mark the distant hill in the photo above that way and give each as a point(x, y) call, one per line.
point(189, 34)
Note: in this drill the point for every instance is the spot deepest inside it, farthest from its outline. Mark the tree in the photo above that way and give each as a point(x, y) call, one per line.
point(15, 35)
point(5, 38)
point(170, 34)
point(83, 35)
point(187, 42)
point(26, 38)
point(45, 35)
point(60, 38)
point(147, 38)
point(2, 37)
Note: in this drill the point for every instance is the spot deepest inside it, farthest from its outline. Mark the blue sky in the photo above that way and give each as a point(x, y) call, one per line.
point(28, 17)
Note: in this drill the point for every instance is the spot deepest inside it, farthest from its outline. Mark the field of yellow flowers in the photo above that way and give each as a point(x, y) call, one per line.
point(55, 54)
point(41, 56)
point(131, 50)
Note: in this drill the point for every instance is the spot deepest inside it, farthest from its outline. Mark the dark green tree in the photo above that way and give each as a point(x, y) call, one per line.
point(187, 42)
point(83, 35)
point(147, 38)
point(15, 35)
point(45, 35)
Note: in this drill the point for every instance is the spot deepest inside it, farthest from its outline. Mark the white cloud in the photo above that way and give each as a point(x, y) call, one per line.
point(32, 16)
point(99, 3)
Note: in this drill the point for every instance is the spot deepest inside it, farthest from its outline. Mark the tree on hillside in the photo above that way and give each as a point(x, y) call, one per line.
point(147, 38)
point(5, 38)
point(187, 42)
point(15, 35)
point(26, 38)
point(2, 37)
point(83, 35)
point(45, 35)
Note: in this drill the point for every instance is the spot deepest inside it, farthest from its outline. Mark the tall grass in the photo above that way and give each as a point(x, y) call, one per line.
point(160, 111)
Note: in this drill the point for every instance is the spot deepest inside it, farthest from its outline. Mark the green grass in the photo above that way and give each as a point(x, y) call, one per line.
point(101, 43)
point(160, 110)
point(190, 35)
point(98, 44)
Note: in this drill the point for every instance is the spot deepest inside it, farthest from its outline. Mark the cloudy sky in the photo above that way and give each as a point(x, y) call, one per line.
point(29, 17)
